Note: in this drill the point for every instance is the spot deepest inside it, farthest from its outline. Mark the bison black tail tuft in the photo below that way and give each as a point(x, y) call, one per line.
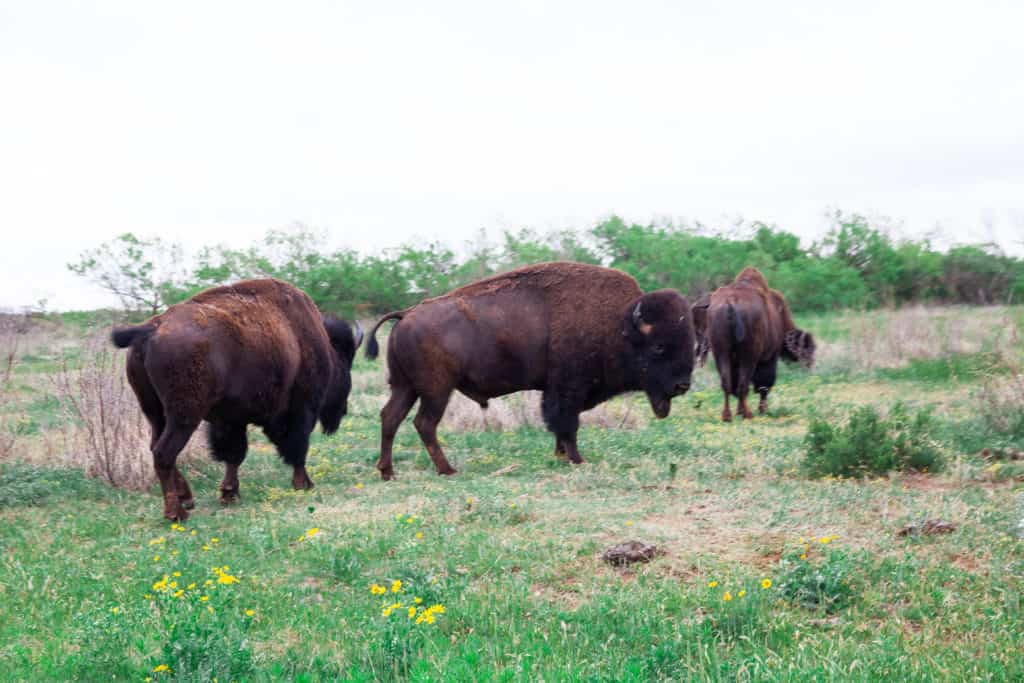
point(372, 348)
point(123, 337)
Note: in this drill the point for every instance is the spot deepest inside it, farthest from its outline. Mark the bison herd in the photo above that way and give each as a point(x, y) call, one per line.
point(259, 352)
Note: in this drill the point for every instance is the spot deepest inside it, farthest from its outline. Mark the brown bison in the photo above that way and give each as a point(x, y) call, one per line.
point(579, 333)
point(256, 352)
point(747, 326)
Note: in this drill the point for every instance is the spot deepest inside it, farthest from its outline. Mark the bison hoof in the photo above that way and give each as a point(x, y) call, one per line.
point(578, 460)
point(228, 497)
point(762, 408)
point(726, 417)
point(387, 475)
point(175, 515)
point(447, 471)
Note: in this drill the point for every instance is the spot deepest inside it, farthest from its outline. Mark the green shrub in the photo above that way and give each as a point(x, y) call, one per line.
point(869, 444)
point(820, 583)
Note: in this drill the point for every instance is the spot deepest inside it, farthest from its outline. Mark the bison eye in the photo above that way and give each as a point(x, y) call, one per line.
point(659, 349)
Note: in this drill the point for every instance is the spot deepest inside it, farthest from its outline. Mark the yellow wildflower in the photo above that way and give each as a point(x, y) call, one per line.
point(156, 558)
point(825, 540)
point(172, 584)
point(312, 532)
point(410, 520)
point(204, 598)
point(191, 586)
point(378, 590)
point(359, 486)
point(161, 667)
point(250, 612)
point(804, 556)
point(205, 547)
point(741, 593)
point(226, 578)
point(766, 583)
point(712, 584)
point(192, 533)
point(209, 609)
point(157, 541)
point(419, 535)
point(727, 596)
point(629, 522)
point(115, 610)
point(178, 593)
point(176, 574)
point(417, 600)
point(412, 612)
point(396, 586)
point(161, 584)
point(208, 582)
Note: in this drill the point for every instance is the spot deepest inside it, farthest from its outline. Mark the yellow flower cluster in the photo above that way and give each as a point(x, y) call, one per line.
point(727, 596)
point(223, 577)
point(310, 533)
point(418, 614)
point(426, 615)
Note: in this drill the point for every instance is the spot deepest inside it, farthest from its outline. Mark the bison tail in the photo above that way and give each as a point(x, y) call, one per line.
point(739, 330)
point(372, 348)
point(123, 337)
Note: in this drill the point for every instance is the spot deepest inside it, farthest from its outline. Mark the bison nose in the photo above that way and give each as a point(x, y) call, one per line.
point(682, 388)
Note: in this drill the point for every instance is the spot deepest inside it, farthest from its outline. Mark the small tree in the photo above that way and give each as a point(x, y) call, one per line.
point(144, 273)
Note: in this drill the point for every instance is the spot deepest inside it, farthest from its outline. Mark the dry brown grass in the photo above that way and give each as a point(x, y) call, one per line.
point(103, 430)
point(891, 338)
point(12, 329)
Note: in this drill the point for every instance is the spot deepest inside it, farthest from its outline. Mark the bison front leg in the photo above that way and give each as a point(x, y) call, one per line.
point(176, 434)
point(228, 444)
point(564, 420)
point(430, 413)
point(293, 445)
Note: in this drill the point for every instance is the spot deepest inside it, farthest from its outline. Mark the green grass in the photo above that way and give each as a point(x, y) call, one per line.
point(511, 548)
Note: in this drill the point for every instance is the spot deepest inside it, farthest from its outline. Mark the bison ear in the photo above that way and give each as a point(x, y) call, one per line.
point(358, 332)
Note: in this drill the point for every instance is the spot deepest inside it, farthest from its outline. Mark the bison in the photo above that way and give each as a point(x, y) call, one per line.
point(747, 327)
point(256, 352)
point(579, 333)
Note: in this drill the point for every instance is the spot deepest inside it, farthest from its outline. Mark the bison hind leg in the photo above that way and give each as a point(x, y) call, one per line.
point(430, 413)
point(391, 415)
point(175, 435)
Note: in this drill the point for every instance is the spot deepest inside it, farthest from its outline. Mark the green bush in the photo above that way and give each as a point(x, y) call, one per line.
point(819, 583)
point(869, 444)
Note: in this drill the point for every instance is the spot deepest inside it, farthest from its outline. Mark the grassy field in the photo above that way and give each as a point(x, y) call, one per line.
point(496, 573)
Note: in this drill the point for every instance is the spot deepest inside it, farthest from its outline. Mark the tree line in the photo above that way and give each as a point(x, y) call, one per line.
point(855, 265)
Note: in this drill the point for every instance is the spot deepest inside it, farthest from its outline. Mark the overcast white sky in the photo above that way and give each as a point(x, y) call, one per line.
point(384, 122)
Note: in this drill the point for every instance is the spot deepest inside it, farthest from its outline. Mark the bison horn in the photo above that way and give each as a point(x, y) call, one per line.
point(358, 333)
point(637, 315)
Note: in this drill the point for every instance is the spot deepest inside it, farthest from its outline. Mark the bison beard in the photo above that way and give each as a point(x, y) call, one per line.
point(747, 326)
point(579, 333)
point(257, 352)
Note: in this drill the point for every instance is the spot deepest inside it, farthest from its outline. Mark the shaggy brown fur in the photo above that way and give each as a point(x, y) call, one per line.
point(748, 326)
point(579, 333)
point(256, 352)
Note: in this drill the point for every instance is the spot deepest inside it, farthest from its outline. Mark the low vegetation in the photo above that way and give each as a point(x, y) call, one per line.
point(765, 572)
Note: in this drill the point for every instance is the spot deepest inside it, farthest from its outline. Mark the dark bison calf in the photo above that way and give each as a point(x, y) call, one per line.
point(257, 352)
point(747, 326)
point(579, 333)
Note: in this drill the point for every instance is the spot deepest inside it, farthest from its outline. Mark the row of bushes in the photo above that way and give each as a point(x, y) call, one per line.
point(856, 265)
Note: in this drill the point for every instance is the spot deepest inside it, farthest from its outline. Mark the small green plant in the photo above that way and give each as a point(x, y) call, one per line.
point(869, 444)
point(817, 580)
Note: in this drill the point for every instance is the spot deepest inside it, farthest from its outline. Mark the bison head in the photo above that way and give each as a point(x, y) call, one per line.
point(658, 329)
point(798, 347)
point(344, 343)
